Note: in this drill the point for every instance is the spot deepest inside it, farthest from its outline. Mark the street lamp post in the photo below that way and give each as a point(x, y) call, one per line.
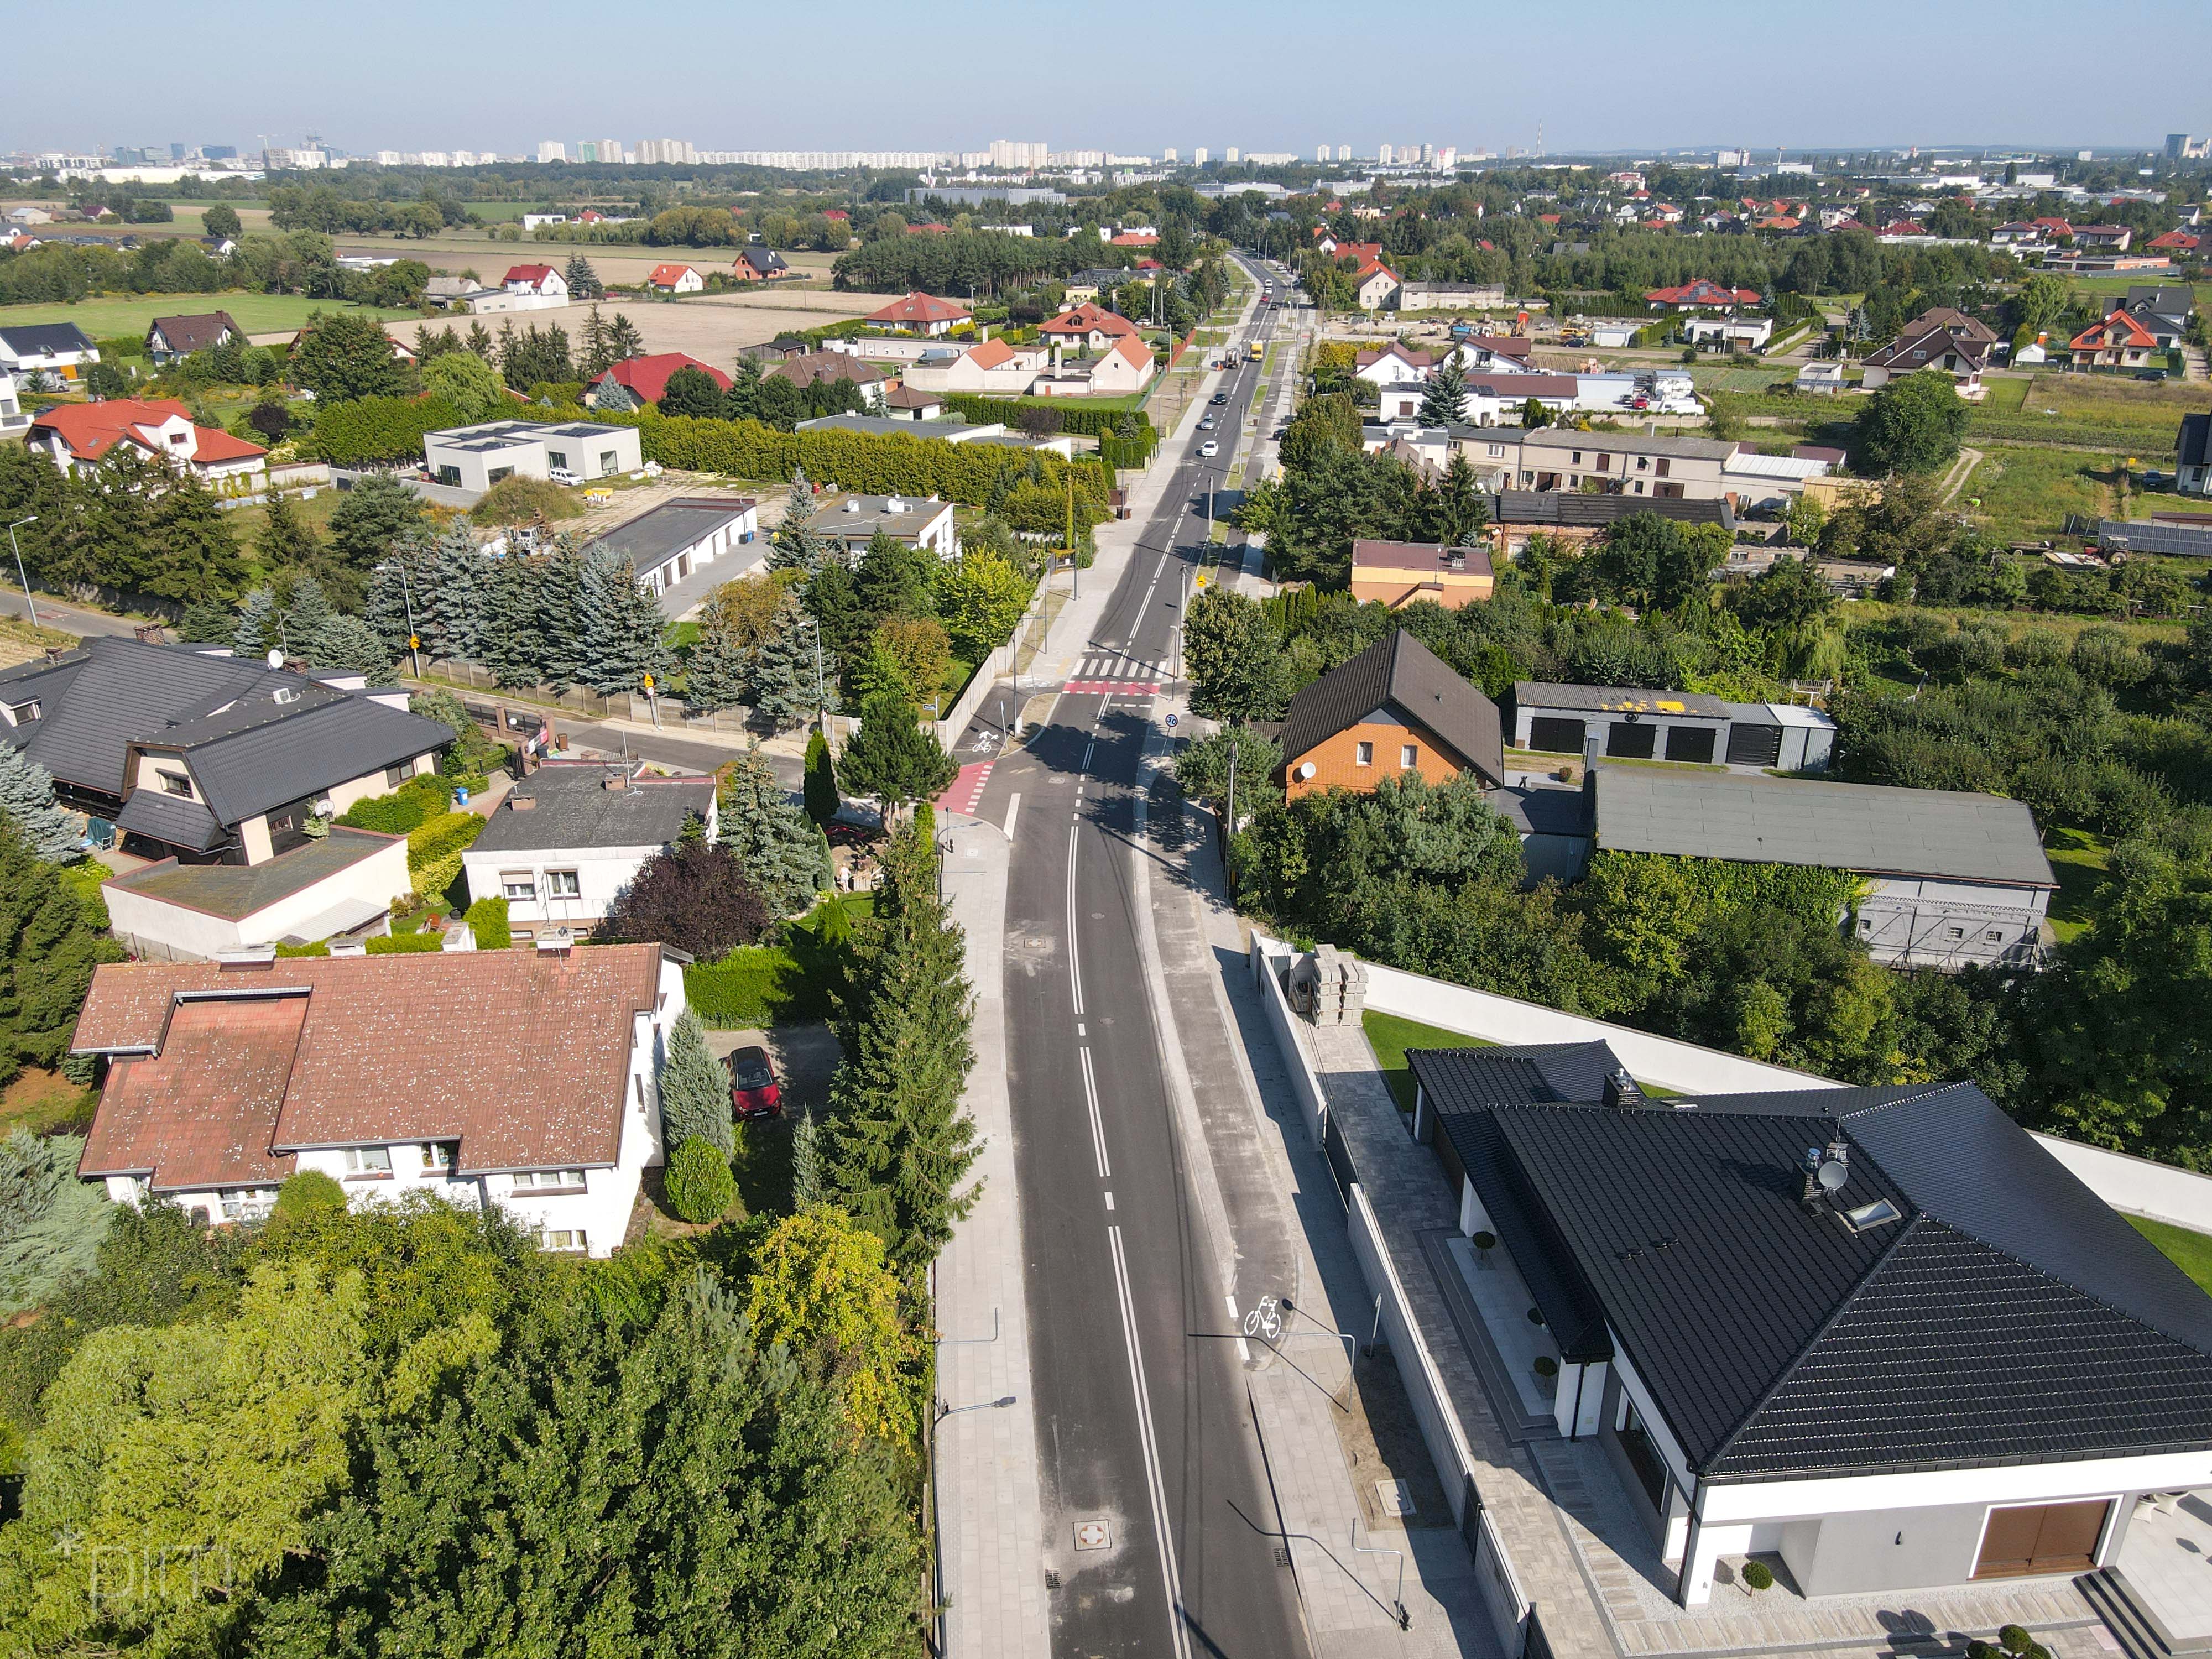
point(29, 603)
point(938, 1412)
point(821, 696)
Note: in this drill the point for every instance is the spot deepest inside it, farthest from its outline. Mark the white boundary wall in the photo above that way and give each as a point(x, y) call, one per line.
point(1269, 956)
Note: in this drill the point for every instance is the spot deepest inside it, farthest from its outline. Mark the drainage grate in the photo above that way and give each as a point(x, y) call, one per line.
point(1051, 1578)
point(1282, 1555)
point(1397, 1497)
point(1093, 1535)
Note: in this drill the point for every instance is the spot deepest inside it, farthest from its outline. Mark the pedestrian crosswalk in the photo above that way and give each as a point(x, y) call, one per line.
point(1113, 674)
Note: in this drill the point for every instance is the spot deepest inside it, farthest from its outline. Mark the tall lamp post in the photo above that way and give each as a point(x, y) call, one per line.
point(29, 603)
point(938, 1411)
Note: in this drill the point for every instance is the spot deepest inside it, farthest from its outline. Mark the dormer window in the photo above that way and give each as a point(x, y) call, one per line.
point(175, 783)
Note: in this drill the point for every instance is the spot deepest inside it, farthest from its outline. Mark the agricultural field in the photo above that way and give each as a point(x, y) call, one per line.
point(711, 327)
point(118, 314)
point(2023, 493)
point(2085, 412)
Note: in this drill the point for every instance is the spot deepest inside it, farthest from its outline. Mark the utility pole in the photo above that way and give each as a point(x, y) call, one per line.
point(821, 699)
point(414, 639)
point(29, 603)
point(1074, 563)
point(1235, 742)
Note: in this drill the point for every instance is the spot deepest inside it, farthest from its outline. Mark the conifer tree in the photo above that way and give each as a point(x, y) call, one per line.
point(1443, 400)
point(583, 282)
point(190, 550)
point(772, 839)
point(459, 580)
point(821, 787)
point(900, 1143)
point(256, 632)
point(508, 642)
point(623, 339)
point(694, 1090)
point(782, 677)
point(26, 797)
point(893, 756)
point(398, 594)
point(796, 544)
point(349, 643)
point(286, 537)
point(305, 616)
point(559, 620)
point(624, 629)
point(807, 1179)
point(206, 622)
point(716, 677)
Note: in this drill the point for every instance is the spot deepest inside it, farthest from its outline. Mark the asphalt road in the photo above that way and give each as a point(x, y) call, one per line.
point(1143, 1420)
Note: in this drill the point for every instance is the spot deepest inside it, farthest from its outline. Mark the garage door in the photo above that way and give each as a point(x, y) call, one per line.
point(1754, 745)
point(1689, 742)
point(1555, 736)
point(1630, 742)
point(2041, 1538)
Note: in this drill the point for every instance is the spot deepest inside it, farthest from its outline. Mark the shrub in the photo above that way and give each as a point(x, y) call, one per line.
point(435, 848)
point(1546, 1366)
point(696, 896)
point(400, 945)
point(487, 920)
point(1484, 1241)
point(519, 500)
point(700, 1185)
point(307, 1195)
point(1759, 1574)
point(415, 803)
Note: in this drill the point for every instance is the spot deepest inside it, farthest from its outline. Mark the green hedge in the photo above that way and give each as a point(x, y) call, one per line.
point(762, 986)
point(434, 850)
point(1083, 421)
point(487, 920)
point(895, 465)
point(401, 944)
point(363, 430)
point(406, 809)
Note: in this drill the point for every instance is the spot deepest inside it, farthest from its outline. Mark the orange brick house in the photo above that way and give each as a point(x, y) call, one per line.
point(1399, 573)
point(1396, 707)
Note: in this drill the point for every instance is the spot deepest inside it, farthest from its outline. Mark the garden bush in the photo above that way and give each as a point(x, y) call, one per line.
point(487, 920)
point(413, 804)
point(700, 1186)
point(400, 945)
point(1759, 1574)
point(434, 850)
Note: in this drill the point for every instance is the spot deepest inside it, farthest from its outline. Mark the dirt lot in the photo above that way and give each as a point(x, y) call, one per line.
point(710, 329)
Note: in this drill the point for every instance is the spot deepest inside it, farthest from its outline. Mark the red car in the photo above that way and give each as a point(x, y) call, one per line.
point(754, 1091)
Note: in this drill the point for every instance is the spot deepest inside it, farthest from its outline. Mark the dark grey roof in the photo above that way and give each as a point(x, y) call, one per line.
point(1868, 827)
point(260, 753)
point(198, 332)
point(1534, 809)
point(1615, 699)
point(152, 810)
point(1572, 509)
point(653, 538)
point(574, 808)
point(237, 890)
point(1400, 673)
point(37, 339)
point(2194, 442)
point(2007, 1316)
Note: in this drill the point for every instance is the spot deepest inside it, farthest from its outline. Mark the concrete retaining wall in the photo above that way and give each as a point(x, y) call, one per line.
point(1269, 957)
point(2135, 1186)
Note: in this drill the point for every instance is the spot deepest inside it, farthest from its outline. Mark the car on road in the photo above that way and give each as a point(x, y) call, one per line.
point(1209, 449)
point(1219, 398)
point(754, 1091)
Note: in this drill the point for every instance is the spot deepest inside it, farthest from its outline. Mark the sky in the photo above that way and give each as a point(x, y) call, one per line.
point(1135, 77)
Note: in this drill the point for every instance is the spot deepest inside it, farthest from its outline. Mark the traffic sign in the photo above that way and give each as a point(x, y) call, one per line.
point(649, 682)
point(1171, 720)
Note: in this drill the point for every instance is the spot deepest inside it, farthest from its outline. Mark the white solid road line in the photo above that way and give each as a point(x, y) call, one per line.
point(1013, 806)
point(1097, 1123)
point(1075, 957)
point(1178, 1632)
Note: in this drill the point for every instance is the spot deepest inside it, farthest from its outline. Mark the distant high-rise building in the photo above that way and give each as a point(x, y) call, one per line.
point(219, 152)
point(551, 149)
point(2181, 147)
point(1320, 152)
point(1197, 156)
point(1733, 158)
point(1383, 155)
point(1446, 158)
point(611, 150)
point(1230, 155)
point(1016, 155)
point(1168, 155)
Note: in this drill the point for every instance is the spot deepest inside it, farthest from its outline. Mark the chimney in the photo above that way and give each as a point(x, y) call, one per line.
point(1827, 1169)
point(1593, 746)
point(149, 633)
point(517, 802)
point(615, 781)
point(1621, 1090)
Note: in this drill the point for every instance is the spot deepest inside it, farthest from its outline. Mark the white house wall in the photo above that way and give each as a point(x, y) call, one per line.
point(154, 928)
point(601, 871)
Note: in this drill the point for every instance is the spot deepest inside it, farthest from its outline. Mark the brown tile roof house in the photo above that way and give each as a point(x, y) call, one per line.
point(809, 366)
point(169, 338)
point(221, 1074)
point(1396, 707)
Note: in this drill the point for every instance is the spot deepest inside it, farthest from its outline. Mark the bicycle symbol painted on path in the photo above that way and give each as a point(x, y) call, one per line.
point(1265, 1320)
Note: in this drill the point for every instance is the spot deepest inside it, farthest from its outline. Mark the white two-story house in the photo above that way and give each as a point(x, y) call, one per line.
point(393, 1075)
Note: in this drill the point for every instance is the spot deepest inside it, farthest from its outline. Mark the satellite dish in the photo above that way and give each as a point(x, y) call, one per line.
point(1305, 772)
point(275, 657)
point(1832, 1175)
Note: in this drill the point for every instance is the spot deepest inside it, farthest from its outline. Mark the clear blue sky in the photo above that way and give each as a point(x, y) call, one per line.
point(1136, 76)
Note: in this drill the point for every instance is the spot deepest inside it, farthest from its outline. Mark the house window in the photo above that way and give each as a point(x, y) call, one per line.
point(438, 1154)
point(563, 883)
point(1496, 451)
point(493, 475)
point(1643, 462)
point(549, 1181)
point(557, 457)
point(1958, 932)
point(1659, 467)
point(1362, 754)
point(1576, 460)
point(450, 476)
point(1994, 935)
point(561, 1238)
point(240, 1203)
point(396, 775)
point(175, 783)
point(1866, 924)
point(1408, 756)
point(1642, 1455)
point(1604, 463)
point(518, 885)
point(607, 461)
point(368, 1162)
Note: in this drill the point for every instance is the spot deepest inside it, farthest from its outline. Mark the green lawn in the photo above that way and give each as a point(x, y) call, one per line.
point(2190, 1252)
point(1390, 1036)
point(2079, 860)
point(2024, 495)
point(257, 313)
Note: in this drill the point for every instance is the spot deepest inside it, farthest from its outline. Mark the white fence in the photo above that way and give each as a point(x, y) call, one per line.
point(2135, 1186)
point(1268, 958)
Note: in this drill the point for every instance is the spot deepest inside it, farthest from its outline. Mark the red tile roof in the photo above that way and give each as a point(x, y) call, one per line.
point(1135, 238)
point(648, 377)
point(90, 430)
point(2180, 241)
point(343, 1063)
point(2133, 336)
point(1702, 293)
point(919, 309)
point(532, 275)
point(1086, 319)
point(668, 275)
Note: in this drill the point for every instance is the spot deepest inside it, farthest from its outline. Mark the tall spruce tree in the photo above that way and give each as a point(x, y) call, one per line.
point(460, 579)
point(782, 676)
point(807, 1186)
point(583, 282)
point(191, 551)
point(256, 630)
point(305, 616)
point(625, 632)
point(716, 676)
point(900, 1144)
point(893, 756)
point(50, 940)
point(508, 642)
point(796, 544)
point(207, 622)
point(694, 1090)
point(821, 787)
point(1444, 399)
point(623, 339)
point(350, 644)
point(781, 851)
point(286, 537)
point(561, 619)
point(26, 797)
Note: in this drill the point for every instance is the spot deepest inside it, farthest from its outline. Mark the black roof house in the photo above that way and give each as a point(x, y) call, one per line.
point(253, 737)
point(1401, 675)
point(2002, 1314)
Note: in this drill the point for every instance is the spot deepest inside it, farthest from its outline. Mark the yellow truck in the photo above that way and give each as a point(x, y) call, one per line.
point(1252, 351)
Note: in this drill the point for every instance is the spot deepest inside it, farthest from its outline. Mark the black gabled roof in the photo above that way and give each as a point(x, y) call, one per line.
point(261, 753)
point(98, 700)
point(2194, 441)
point(2008, 1316)
point(1401, 674)
point(27, 339)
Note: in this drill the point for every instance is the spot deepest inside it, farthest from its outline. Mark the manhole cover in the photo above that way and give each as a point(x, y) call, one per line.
point(1397, 1497)
point(1093, 1535)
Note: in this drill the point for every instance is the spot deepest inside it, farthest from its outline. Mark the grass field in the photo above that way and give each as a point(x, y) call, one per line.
point(2190, 1252)
point(2079, 860)
point(2024, 493)
point(257, 313)
point(2085, 412)
point(1390, 1036)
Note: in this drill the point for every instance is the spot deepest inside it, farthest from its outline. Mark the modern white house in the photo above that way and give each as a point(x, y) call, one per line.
point(1880, 1339)
point(61, 350)
point(1631, 722)
point(668, 543)
point(1948, 879)
point(569, 837)
point(851, 521)
point(1729, 333)
point(13, 417)
point(477, 457)
point(222, 1079)
point(675, 279)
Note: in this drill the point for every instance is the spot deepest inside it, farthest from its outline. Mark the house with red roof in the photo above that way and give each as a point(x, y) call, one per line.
point(75, 436)
point(2119, 341)
point(2058, 230)
point(2177, 241)
point(675, 279)
point(539, 282)
point(1125, 365)
point(1701, 296)
point(993, 367)
point(920, 314)
point(1901, 230)
point(1374, 283)
point(1086, 327)
point(1135, 238)
point(637, 380)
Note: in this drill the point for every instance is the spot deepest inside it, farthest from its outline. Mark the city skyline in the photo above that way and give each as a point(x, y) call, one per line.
point(1622, 57)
